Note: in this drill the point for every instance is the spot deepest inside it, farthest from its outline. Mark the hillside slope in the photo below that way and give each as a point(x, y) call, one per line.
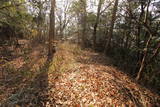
point(91, 81)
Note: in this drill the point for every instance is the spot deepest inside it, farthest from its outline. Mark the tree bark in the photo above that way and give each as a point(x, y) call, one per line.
point(51, 49)
point(83, 21)
point(110, 33)
point(96, 24)
point(143, 61)
point(139, 33)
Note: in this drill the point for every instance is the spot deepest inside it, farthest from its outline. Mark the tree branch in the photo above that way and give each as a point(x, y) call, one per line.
point(4, 7)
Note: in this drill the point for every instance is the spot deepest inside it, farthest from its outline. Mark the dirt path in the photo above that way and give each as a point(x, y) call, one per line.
point(93, 82)
point(81, 78)
point(19, 71)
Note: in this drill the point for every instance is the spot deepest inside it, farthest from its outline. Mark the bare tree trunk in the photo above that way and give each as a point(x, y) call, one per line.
point(139, 33)
point(39, 34)
point(128, 34)
point(84, 16)
point(96, 24)
point(156, 52)
point(60, 27)
point(108, 44)
point(39, 25)
point(143, 61)
point(51, 49)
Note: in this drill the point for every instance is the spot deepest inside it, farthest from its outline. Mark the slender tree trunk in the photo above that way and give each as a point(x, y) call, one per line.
point(60, 28)
point(39, 34)
point(128, 34)
point(110, 34)
point(83, 21)
point(155, 53)
point(39, 25)
point(51, 49)
point(143, 61)
point(96, 24)
point(139, 34)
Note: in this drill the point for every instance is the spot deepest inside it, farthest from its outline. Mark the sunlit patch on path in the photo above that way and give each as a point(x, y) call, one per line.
point(94, 82)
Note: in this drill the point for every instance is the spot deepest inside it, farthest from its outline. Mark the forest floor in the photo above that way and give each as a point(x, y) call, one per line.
point(75, 78)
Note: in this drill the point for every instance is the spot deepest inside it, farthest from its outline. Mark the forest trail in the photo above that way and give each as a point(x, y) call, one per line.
point(91, 81)
point(43, 62)
point(82, 78)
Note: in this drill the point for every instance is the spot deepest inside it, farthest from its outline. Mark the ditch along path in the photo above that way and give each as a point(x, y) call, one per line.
point(82, 78)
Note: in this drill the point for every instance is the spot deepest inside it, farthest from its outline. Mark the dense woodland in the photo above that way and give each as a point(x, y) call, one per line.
point(125, 31)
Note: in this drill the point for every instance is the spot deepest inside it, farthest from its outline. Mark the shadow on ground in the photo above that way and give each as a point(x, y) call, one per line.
point(35, 94)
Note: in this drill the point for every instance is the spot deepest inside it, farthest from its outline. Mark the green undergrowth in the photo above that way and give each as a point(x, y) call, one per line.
point(126, 60)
